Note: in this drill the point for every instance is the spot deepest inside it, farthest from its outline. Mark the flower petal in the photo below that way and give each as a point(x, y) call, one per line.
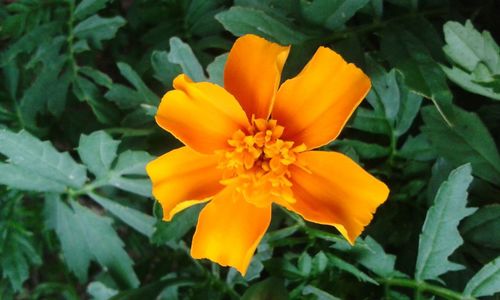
point(331, 189)
point(253, 72)
point(229, 230)
point(202, 115)
point(182, 178)
point(314, 106)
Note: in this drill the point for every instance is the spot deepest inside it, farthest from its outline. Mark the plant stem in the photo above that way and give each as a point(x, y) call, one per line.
point(70, 39)
point(130, 131)
point(422, 287)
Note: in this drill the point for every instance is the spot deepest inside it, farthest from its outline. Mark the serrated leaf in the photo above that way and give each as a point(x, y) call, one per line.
point(105, 245)
point(134, 218)
point(27, 152)
point(182, 55)
point(365, 150)
point(483, 227)
point(466, 81)
point(440, 236)
point(417, 148)
point(177, 227)
point(332, 14)
point(98, 151)
point(61, 218)
point(467, 141)
point(242, 20)
point(96, 29)
point(88, 7)
point(466, 47)
point(486, 282)
point(421, 73)
point(26, 180)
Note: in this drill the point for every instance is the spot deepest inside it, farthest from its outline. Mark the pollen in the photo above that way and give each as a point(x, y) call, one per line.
point(256, 163)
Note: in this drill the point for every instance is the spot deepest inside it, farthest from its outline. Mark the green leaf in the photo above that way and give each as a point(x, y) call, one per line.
point(27, 152)
point(367, 120)
point(29, 41)
point(349, 268)
point(26, 180)
point(374, 258)
point(98, 151)
point(182, 55)
point(88, 7)
point(466, 81)
point(165, 71)
point(242, 20)
point(99, 291)
point(215, 69)
point(76, 251)
point(440, 236)
point(105, 245)
point(483, 227)
point(417, 148)
point(421, 73)
point(133, 218)
point(486, 282)
point(467, 141)
point(271, 288)
point(177, 227)
point(466, 47)
point(96, 29)
point(304, 264)
point(146, 94)
point(130, 171)
point(97, 76)
point(332, 14)
point(124, 97)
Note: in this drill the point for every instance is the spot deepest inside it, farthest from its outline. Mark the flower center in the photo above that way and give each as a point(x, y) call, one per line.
point(257, 161)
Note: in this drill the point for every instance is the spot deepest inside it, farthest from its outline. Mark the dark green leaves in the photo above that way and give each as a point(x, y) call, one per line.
point(331, 14)
point(421, 73)
point(96, 29)
point(440, 236)
point(468, 140)
point(97, 240)
point(97, 151)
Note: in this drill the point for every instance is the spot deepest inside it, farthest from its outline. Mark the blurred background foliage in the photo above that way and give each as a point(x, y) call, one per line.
point(79, 86)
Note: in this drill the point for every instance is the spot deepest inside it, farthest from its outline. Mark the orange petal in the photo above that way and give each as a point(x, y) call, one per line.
point(182, 178)
point(253, 73)
point(331, 189)
point(202, 115)
point(314, 106)
point(229, 230)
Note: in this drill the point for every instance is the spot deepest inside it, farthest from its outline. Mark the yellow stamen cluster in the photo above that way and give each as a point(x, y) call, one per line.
point(257, 163)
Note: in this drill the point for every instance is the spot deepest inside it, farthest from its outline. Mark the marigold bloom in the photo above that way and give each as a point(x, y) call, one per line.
point(250, 144)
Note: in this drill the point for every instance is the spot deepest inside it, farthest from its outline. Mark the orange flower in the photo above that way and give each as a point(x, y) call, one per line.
point(249, 145)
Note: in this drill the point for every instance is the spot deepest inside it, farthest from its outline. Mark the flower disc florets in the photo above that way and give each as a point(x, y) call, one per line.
point(257, 161)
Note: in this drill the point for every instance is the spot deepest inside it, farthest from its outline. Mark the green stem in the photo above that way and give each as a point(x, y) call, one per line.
point(70, 39)
point(422, 287)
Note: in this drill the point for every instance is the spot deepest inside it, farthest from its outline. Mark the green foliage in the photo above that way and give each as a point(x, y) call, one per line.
point(80, 83)
point(440, 236)
point(475, 57)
